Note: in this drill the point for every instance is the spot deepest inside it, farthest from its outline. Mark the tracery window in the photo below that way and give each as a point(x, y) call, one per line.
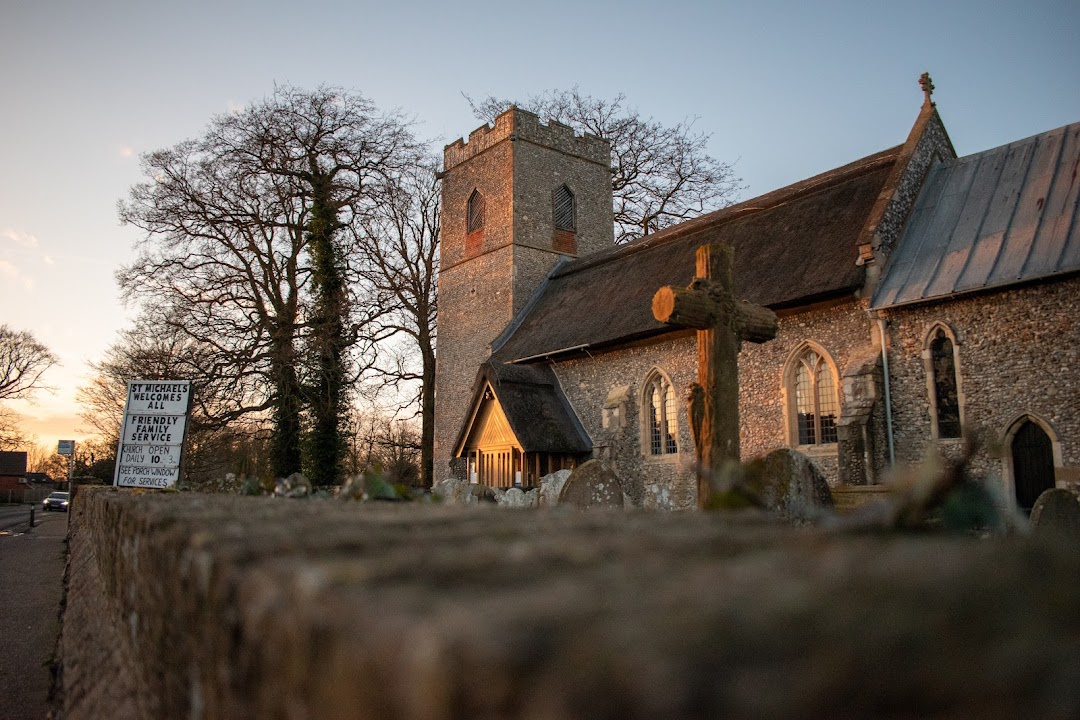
point(662, 412)
point(816, 408)
point(475, 218)
point(943, 385)
point(563, 202)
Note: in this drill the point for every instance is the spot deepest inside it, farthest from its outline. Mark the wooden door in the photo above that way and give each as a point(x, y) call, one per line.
point(1032, 462)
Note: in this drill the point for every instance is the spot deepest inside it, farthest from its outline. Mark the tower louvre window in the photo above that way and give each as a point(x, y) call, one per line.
point(475, 212)
point(564, 209)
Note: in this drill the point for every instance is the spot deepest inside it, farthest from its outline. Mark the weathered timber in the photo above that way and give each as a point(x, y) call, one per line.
point(709, 306)
point(691, 308)
point(756, 324)
point(687, 307)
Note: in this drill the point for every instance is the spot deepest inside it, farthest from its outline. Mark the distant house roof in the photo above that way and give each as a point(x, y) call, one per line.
point(792, 246)
point(535, 407)
point(13, 462)
point(1004, 216)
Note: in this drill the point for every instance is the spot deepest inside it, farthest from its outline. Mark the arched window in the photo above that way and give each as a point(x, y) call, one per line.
point(563, 202)
point(813, 404)
point(661, 411)
point(475, 219)
point(943, 386)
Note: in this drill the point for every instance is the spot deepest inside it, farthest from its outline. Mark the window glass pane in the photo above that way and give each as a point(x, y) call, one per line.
point(946, 395)
point(670, 424)
point(655, 418)
point(828, 408)
point(804, 405)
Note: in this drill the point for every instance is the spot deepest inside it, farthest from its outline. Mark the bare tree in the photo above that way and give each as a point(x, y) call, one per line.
point(230, 220)
point(390, 444)
point(12, 436)
point(44, 459)
point(661, 174)
point(399, 247)
point(153, 350)
point(22, 362)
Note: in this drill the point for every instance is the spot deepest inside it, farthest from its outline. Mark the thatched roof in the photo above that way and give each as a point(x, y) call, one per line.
point(793, 246)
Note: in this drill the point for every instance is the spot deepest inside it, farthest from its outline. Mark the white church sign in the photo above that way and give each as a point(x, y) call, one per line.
point(152, 437)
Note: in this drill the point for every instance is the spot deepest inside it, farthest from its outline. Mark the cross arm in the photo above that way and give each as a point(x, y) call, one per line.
point(694, 307)
point(757, 324)
point(687, 307)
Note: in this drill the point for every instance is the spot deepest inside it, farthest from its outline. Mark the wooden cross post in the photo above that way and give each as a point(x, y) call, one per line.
point(722, 323)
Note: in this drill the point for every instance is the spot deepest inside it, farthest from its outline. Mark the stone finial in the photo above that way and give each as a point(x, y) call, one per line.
point(927, 86)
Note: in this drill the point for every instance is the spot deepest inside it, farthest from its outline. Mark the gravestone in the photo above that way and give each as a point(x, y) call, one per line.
point(517, 498)
point(454, 491)
point(451, 490)
point(478, 493)
point(722, 322)
point(1057, 511)
point(592, 485)
point(551, 487)
point(790, 484)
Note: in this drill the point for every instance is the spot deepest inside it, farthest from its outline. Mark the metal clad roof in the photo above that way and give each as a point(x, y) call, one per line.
point(1064, 229)
point(999, 217)
point(916, 275)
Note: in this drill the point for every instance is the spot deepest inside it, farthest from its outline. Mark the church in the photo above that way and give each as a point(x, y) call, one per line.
point(921, 298)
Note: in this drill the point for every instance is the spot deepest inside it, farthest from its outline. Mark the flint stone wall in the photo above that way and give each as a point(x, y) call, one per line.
point(654, 482)
point(1019, 354)
point(841, 329)
point(188, 606)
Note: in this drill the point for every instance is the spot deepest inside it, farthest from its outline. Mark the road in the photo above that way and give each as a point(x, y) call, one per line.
point(31, 581)
point(12, 516)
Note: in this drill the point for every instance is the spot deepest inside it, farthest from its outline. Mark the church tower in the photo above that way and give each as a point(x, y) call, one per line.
point(515, 198)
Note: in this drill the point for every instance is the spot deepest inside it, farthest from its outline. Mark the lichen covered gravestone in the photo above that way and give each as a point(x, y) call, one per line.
point(517, 498)
point(592, 485)
point(790, 484)
point(551, 487)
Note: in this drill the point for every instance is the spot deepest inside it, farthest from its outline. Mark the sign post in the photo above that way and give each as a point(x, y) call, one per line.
point(67, 447)
point(152, 437)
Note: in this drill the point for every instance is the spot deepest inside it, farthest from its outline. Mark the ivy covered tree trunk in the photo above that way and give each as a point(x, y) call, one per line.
point(427, 410)
point(327, 389)
point(287, 404)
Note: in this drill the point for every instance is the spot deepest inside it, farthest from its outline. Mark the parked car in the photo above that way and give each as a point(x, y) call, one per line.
point(56, 501)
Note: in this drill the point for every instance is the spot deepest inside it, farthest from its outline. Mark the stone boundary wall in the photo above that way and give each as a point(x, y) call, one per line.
point(192, 606)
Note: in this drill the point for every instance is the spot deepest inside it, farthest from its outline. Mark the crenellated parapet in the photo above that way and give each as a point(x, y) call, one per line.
point(517, 124)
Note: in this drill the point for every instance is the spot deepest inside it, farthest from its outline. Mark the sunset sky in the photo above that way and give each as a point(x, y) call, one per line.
point(787, 89)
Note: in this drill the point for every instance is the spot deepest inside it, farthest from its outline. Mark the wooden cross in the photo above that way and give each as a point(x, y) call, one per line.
point(722, 323)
